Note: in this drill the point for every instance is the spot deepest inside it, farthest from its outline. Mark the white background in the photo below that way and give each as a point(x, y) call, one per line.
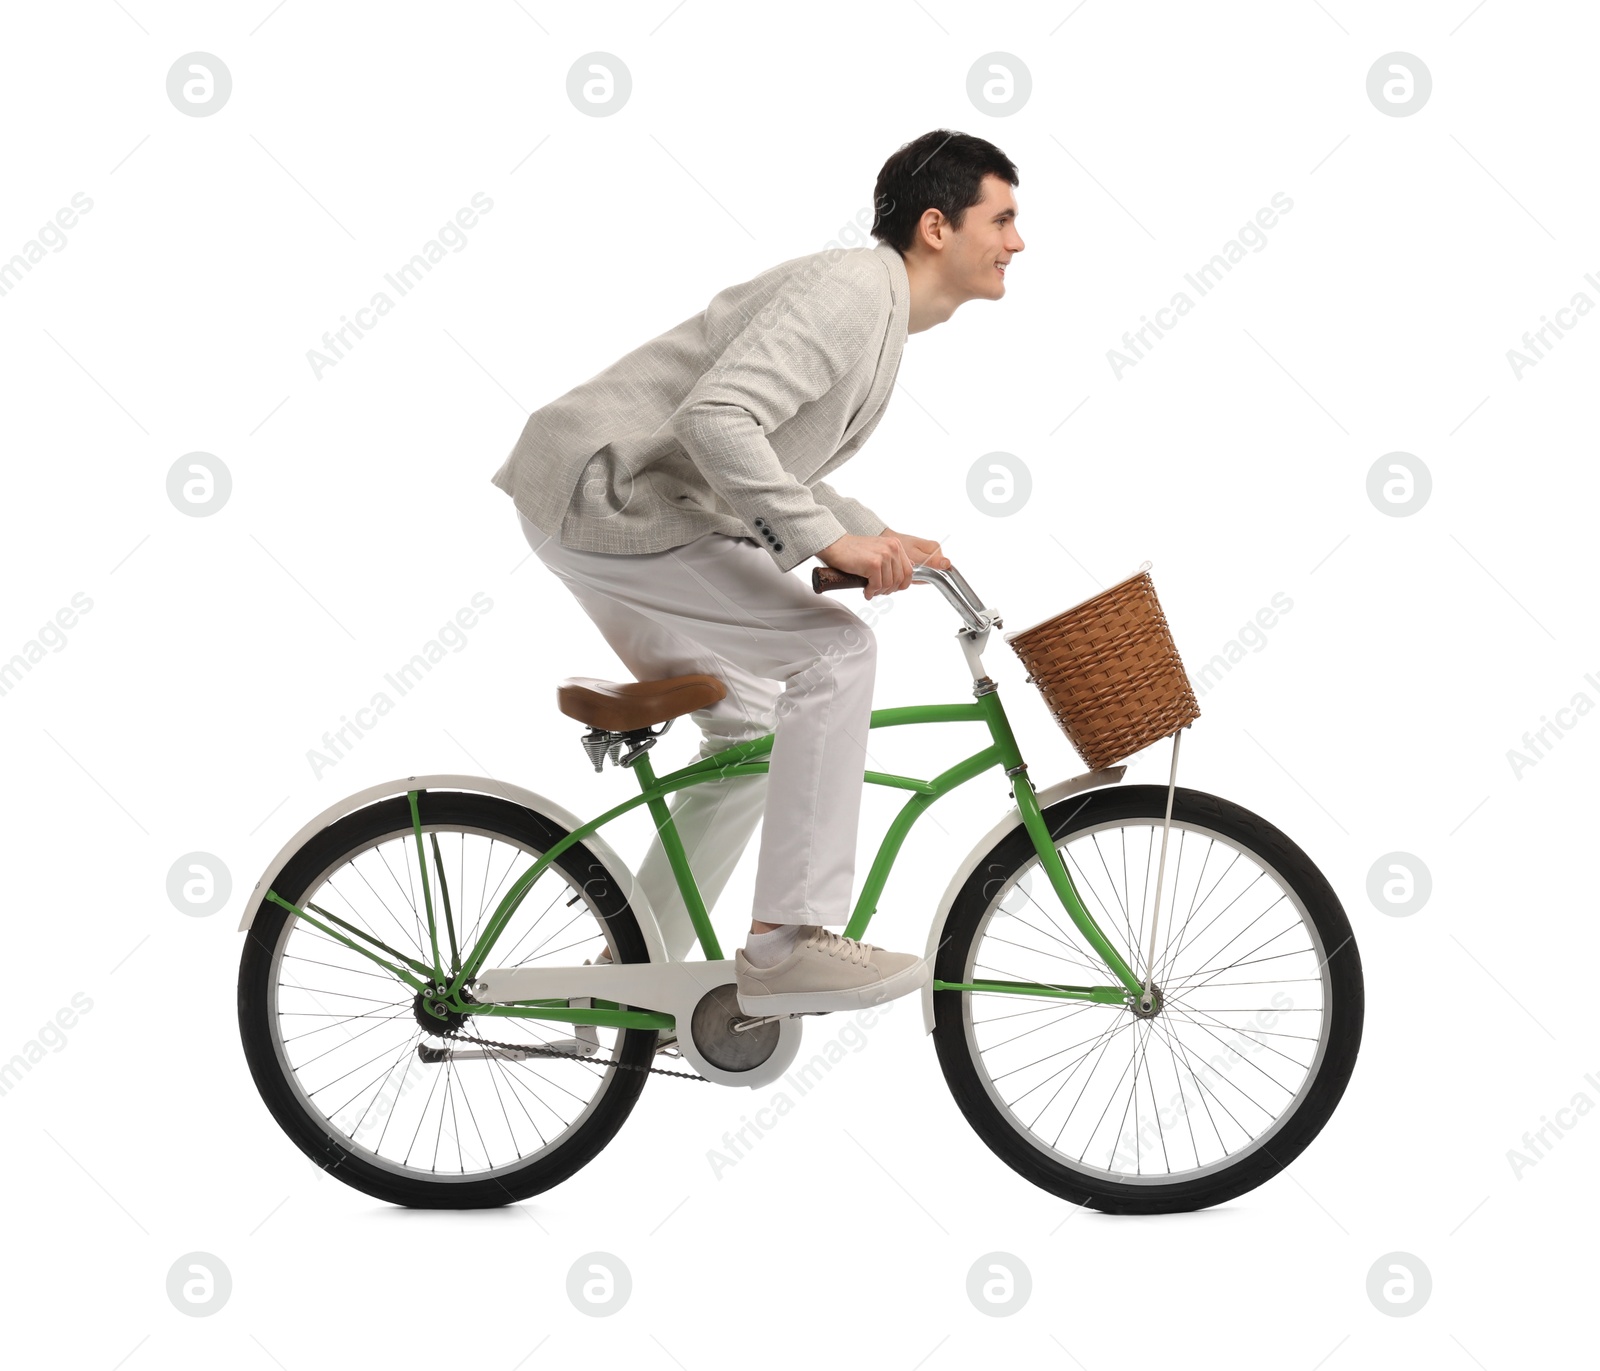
point(1377, 717)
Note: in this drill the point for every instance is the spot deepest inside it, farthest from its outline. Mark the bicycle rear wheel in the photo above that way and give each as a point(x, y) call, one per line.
point(1255, 1034)
point(332, 1040)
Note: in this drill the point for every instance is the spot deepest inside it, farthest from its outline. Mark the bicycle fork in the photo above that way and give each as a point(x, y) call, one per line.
point(1131, 990)
point(1061, 882)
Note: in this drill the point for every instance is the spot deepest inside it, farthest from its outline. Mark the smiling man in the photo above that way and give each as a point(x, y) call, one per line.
point(673, 492)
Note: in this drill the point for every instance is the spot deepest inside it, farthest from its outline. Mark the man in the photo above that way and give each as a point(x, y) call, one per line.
point(674, 491)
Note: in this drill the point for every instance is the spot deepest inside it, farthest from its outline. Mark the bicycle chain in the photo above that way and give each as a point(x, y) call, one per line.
point(531, 1051)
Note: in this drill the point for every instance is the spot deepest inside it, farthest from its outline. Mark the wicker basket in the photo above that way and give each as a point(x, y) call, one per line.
point(1109, 672)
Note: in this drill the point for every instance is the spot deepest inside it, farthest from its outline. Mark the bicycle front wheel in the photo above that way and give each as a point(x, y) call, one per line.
point(1255, 1031)
point(333, 1041)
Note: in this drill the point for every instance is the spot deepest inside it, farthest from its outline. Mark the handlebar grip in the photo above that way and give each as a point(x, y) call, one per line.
point(826, 578)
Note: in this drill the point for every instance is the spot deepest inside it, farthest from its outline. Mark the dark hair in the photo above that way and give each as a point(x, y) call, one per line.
point(941, 170)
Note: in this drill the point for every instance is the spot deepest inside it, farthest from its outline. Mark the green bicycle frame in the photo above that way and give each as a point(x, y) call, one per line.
point(442, 988)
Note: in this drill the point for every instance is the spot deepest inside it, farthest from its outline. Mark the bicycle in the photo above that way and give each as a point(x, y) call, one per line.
point(1171, 1078)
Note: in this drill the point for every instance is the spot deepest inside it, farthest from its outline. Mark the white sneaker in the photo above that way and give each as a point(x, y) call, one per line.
point(827, 971)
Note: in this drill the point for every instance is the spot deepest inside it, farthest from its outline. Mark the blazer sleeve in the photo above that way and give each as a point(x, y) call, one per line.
point(808, 339)
point(854, 515)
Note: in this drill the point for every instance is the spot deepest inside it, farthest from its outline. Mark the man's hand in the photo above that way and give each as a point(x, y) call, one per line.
point(883, 560)
point(886, 560)
point(922, 550)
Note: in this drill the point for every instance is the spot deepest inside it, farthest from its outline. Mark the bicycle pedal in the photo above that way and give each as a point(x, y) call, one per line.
point(758, 1020)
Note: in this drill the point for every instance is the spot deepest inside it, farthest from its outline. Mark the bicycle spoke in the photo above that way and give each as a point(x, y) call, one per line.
point(1196, 908)
point(496, 1070)
point(1172, 923)
point(354, 971)
point(1195, 1016)
point(1250, 954)
point(1110, 1097)
point(1205, 1079)
point(997, 1018)
point(1211, 1033)
point(413, 933)
point(1102, 1041)
point(384, 1079)
point(311, 1061)
point(1008, 1041)
point(381, 1082)
point(556, 934)
point(1203, 1090)
point(1122, 905)
point(1194, 1143)
point(1079, 962)
point(1092, 1040)
point(343, 1042)
point(423, 1116)
point(1063, 938)
point(1155, 1108)
point(1086, 889)
point(343, 1018)
point(491, 899)
point(1177, 885)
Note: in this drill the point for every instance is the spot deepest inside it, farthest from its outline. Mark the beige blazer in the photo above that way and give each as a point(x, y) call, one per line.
point(727, 422)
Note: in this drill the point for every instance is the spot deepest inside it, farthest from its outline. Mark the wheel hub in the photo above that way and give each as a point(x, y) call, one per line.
point(1137, 1004)
point(433, 1016)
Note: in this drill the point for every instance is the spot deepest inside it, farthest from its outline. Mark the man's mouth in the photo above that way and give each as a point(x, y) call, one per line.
point(1000, 267)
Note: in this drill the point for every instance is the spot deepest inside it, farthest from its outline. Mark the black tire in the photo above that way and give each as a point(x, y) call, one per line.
point(1340, 992)
point(578, 872)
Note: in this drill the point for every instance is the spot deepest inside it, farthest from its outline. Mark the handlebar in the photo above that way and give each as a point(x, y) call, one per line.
point(963, 599)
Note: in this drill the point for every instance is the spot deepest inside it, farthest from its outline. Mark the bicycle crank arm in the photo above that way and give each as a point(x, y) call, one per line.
point(746, 1024)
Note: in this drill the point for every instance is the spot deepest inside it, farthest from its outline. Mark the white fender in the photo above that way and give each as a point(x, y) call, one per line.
point(618, 869)
point(1090, 780)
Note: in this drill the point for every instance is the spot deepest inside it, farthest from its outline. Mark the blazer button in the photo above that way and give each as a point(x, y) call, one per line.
point(777, 547)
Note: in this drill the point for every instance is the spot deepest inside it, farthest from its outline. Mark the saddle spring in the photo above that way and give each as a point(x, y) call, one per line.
point(601, 742)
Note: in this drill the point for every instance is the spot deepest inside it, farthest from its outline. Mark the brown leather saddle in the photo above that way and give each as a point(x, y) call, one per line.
point(623, 705)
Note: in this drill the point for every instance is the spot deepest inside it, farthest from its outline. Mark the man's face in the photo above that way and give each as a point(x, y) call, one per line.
point(985, 242)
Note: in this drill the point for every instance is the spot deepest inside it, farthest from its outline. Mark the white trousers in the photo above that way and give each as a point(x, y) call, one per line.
point(796, 664)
